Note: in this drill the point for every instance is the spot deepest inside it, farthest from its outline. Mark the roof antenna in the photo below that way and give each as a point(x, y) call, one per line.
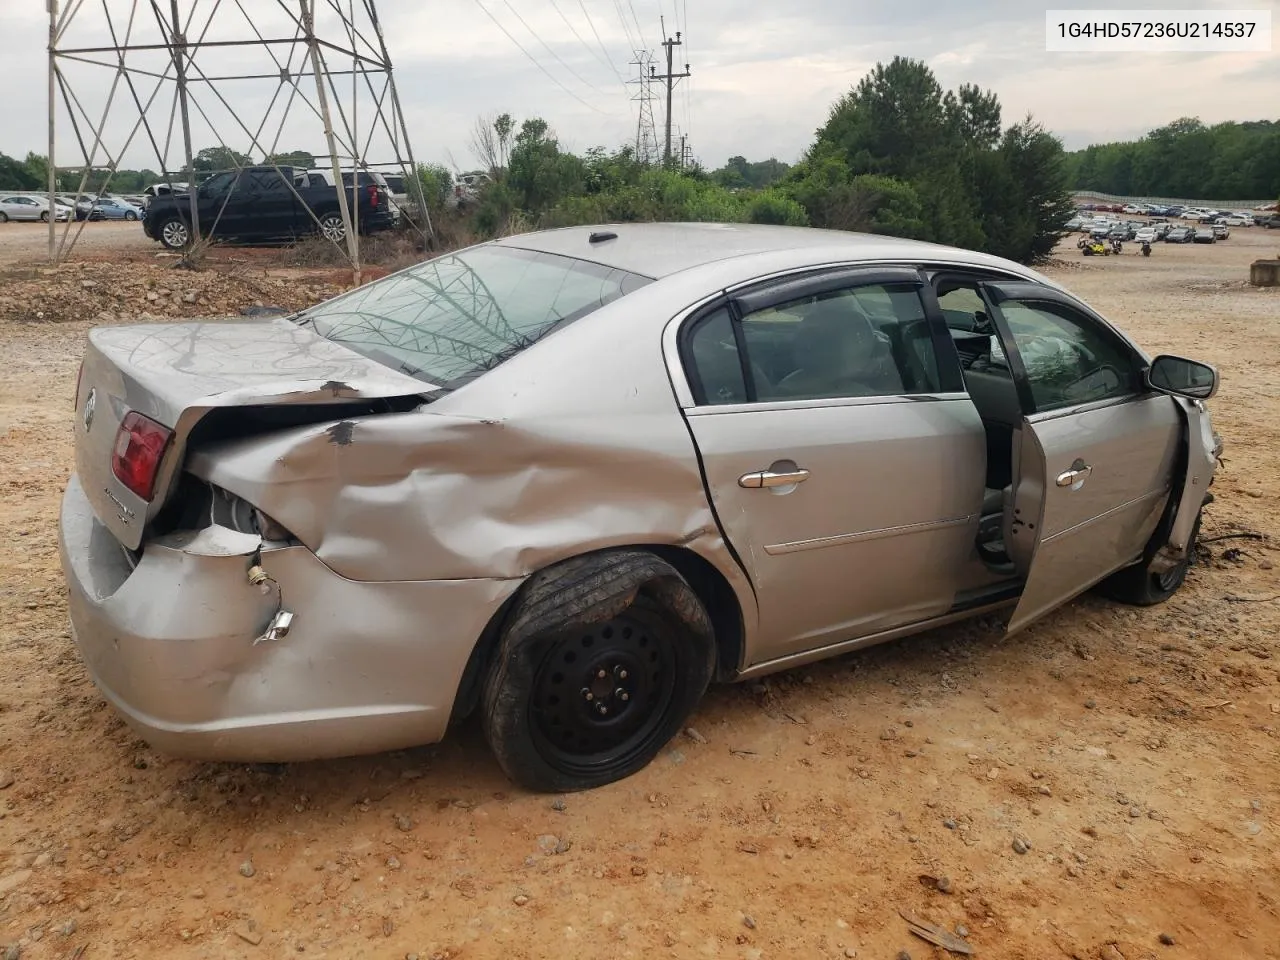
point(600, 236)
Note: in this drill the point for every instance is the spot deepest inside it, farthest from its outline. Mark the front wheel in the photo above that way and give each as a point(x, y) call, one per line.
point(130, 215)
point(174, 234)
point(44, 216)
point(601, 662)
point(1139, 586)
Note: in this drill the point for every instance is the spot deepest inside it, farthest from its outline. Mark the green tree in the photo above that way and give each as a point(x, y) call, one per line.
point(539, 172)
point(301, 159)
point(218, 158)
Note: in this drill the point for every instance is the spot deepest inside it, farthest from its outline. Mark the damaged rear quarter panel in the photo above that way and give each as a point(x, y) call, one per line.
point(574, 445)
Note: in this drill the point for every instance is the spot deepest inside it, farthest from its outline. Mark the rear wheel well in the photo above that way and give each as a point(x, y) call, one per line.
point(707, 582)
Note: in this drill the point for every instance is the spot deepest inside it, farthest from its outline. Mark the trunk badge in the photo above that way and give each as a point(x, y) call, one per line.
point(90, 405)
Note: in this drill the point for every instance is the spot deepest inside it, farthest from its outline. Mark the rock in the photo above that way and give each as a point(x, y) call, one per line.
point(903, 955)
point(1135, 811)
point(247, 869)
point(88, 284)
point(850, 952)
point(1090, 704)
point(563, 846)
point(993, 773)
point(888, 733)
point(13, 881)
point(189, 298)
point(558, 805)
point(1110, 952)
point(6, 779)
point(196, 894)
point(1167, 939)
point(393, 863)
point(547, 843)
point(249, 935)
point(403, 823)
point(13, 952)
point(676, 757)
point(961, 930)
point(949, 823)
point(68, 928)
point(520, 900)
point(1090, 831)
point(694, 735)
point(637, 870)
point(1043, 790)
point(944, 885)
point(42, 861)
point(1020, 845)
point(748, 921)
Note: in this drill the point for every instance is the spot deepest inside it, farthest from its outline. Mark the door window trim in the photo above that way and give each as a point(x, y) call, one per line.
point(753, 297)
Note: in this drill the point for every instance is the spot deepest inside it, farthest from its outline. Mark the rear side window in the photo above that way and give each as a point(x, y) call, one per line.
point(871, 340)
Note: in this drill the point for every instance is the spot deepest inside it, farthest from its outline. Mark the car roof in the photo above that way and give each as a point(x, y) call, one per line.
point(657, 250)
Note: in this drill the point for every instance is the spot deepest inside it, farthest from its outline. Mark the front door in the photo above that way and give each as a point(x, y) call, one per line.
point(843, 459)
point(1095, 453)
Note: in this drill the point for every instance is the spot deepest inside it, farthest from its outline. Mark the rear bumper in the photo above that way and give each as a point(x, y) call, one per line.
point(366, 666)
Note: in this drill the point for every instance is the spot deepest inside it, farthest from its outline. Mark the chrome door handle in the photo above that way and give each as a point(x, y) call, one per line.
point(1078, 474)
point(768, 478)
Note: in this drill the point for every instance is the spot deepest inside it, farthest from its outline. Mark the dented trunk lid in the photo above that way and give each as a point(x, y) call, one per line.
point(176, 373)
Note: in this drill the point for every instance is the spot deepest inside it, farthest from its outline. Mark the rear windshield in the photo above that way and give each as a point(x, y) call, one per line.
point(395, 184)
point(449, 320)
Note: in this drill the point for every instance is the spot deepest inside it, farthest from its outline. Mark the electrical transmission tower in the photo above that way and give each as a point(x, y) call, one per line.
point(646, 131)
point(144, 81)
point(670, 77)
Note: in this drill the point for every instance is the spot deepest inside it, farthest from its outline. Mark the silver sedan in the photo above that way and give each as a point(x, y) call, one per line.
point(21, 206)
point(567, 479)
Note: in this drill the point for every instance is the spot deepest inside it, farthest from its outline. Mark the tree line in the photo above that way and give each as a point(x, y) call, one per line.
point(898, 155)
point(1186, 159)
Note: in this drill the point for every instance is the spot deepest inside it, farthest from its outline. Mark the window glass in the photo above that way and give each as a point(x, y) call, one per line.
point(864, 341)
point(715, 360)
point(448, 320)
point(1069, 359)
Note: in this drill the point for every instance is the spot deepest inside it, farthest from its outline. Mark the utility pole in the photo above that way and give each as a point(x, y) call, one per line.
point(684, 150)
point(670, 77)
point(646, 137)
point(178, 49)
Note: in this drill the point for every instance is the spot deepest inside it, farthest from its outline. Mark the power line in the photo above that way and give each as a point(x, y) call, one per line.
point(535, 61)
point(547, 47)
point(574, 30)
point(591, 23)
point(639, 31)
point(632, 41)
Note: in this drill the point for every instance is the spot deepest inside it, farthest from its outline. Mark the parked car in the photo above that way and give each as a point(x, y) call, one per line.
point(467, 188)
point(1121, 231)
point(321, 535)
point(1180, 235)
point(1074, 224)
point(112, 208)
point(21, 206)
point(1237, 220)
point(266, 203)
point(1205, 235)
point(1174, 211)
point(1162, 229)
point(1146, 234)
point(1272, 222)
point(1220, 231)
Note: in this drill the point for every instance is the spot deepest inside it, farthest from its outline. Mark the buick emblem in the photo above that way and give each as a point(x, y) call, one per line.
point(90, 404)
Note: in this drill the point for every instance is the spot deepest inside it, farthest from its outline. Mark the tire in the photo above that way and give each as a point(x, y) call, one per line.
point(1138, 586)
point(599, 664)
point(44, 216)
point(332, 228)
point(130, 215)
point(173, 234)
point(4, 217)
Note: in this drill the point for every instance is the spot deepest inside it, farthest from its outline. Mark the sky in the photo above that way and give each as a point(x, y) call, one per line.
point(764, 73)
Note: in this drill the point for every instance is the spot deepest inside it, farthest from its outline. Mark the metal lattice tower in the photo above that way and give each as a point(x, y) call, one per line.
point(148, 80)
point(646, 129)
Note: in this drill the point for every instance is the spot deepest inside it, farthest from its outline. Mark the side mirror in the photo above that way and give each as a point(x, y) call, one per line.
point(1182, 377)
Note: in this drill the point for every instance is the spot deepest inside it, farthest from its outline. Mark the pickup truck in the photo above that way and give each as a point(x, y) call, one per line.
point(267, 203)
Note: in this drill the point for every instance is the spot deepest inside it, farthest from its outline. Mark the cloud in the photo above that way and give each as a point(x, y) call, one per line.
point(764, 74)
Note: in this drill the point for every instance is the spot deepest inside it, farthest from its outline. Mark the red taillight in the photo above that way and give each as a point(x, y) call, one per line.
point(373, 195)
point(135, 459)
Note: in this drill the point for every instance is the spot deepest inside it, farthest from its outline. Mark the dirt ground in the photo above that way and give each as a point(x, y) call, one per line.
point(1131, 756)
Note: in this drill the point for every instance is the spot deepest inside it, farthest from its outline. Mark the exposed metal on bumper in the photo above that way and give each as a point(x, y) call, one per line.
point(366, 666)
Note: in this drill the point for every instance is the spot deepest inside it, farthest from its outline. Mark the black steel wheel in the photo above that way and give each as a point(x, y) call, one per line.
point(602, 660)
point(602, 691)
point(1140, 586)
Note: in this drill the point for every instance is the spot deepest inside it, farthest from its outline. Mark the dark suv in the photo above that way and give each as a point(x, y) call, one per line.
point(268, 203)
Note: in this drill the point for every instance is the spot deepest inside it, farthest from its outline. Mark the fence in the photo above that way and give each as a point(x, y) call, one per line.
point(1085, 196)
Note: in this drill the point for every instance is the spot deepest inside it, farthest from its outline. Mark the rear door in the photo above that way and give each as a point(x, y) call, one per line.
point(842, 457)
point(1096, 451)
point(269, 204)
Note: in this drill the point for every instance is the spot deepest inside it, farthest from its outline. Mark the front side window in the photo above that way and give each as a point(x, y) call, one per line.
point(449, 320)
point(1069, 359)
point(871, 340)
